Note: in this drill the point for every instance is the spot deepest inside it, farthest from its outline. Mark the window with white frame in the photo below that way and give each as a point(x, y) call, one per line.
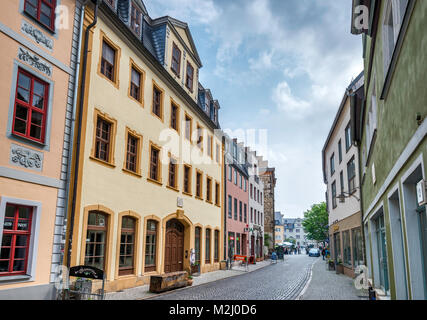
point(371, 124)
point(392, 22)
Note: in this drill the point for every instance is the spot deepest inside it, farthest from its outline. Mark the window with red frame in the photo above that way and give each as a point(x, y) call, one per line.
point(42, 10)
point(15, 240)
point(31, 98)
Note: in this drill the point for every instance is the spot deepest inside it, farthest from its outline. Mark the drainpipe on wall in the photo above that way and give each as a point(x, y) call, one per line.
point(225, 207)
point(79, 129)
point(73, 118)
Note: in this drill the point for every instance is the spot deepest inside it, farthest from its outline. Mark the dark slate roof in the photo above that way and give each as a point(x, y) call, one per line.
point(154, 39)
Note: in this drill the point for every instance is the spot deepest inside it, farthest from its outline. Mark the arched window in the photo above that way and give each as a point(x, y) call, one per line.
point(197, 244)
point(127, 247)
point(208, 246)
point(96, 240)
point(150, 246)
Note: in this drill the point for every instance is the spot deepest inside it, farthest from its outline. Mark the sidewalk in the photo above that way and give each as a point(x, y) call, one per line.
point(142, 292)
point(327, 285)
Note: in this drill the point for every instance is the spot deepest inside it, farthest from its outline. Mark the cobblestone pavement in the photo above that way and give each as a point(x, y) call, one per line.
point(142, 292)
point(281, 281)
point(327, 285)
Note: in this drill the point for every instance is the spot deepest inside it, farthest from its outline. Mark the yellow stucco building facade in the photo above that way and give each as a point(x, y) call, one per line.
point(149, 180)
point(36, 100)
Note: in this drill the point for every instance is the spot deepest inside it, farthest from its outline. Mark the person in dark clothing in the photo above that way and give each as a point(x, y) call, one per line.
point(323, 253)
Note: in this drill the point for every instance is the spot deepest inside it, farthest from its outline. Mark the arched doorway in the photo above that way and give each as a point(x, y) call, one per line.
point(174, 246)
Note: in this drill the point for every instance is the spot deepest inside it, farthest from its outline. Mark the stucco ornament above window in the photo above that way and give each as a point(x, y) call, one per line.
point(35, 61)
point(36, 35)
point(26, 158)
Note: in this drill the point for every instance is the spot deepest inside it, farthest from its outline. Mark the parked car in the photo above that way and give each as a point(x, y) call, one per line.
point(314, 252)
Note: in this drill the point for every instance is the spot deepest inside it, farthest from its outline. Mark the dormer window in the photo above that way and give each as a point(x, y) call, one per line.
point(190, 76)
point(176, 60)
point(135, 19)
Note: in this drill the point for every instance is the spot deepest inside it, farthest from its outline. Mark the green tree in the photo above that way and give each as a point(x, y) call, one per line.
point(316, 222)
point(293, 241)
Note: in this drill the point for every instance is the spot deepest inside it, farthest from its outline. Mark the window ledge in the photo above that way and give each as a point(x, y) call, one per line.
point(187, 194)
point(108, 164)
point(155, 181)
point(198, 198)
point(34, 143)
point(172, 188)
point(135, 174)
point(15, 278)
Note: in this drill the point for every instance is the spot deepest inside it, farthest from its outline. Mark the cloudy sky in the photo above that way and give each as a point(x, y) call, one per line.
point(279, 65)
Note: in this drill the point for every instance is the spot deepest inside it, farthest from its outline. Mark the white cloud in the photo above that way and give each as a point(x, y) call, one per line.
point(286, 101)
point(263, 63)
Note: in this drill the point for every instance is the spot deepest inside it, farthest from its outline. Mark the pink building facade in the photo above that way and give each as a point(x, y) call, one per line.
point(237, 202)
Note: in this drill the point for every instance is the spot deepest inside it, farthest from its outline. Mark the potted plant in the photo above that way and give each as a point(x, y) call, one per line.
point(331, 265)
point(195, 268)
point(339, 267)
point(189, 280)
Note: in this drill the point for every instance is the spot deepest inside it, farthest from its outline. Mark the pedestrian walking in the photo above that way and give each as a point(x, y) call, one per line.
point(323, 253)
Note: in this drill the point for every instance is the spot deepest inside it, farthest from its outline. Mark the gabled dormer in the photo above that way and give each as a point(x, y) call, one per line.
point(177, 52)
point(168, 40)
point(208, 104)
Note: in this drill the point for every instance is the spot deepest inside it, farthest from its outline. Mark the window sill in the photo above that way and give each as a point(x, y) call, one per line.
point(208, 201)
point(198, 198)
point(159, 183)
point(172, 188)
point(20, 278)
point(139, 102)
point(105, 163)
point(114, 83)
point(34, 143)
point(158, 117)
point(132, 173)
point(187, 194)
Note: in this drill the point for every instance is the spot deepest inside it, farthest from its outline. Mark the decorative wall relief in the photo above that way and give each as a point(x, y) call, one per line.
point(35, 61)
point(26, 158)
point(36, 35)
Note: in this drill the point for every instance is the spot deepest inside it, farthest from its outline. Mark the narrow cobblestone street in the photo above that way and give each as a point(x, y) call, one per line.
point(282, 281)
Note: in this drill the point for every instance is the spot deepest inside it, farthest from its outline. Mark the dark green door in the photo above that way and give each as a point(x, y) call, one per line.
point(382, 253)
point(423, 238)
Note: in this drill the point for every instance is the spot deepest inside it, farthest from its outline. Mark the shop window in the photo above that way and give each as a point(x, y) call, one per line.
point(150, 246)
point(127, 247)
point(216, 248)
point(197, 233)
point(96, 240)
point(208, 246)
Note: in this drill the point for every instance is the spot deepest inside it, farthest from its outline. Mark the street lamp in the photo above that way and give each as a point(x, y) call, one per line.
point(345, 195)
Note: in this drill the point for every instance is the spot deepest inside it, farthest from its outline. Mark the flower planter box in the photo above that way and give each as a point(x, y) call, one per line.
point(339, 268)
point(331, 266)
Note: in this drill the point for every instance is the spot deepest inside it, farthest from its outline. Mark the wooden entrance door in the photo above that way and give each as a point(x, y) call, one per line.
point(174, 250)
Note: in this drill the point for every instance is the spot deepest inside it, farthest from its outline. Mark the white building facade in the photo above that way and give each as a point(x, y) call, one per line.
point(256, 207)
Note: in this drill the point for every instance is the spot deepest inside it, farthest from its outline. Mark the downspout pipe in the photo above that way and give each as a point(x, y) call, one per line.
point(73, 116)
point(79, 129)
